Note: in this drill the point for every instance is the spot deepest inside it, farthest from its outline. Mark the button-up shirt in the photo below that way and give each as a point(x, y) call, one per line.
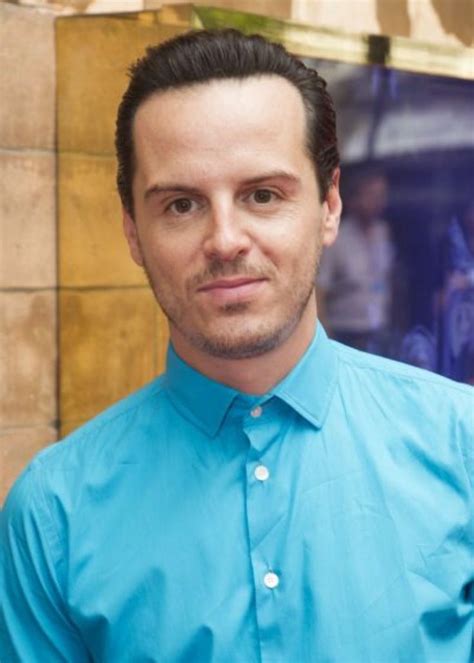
point(325, 521)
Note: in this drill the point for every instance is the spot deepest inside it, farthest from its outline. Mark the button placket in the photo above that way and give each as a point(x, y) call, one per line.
point(265, 508)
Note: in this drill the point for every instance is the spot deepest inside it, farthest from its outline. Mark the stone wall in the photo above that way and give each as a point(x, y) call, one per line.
point(112, 336)
point(27, 237)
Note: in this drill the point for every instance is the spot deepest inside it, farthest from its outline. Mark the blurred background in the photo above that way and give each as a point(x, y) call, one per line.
point(78, 325)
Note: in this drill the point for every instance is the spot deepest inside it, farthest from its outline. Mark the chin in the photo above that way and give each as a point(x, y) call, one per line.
point(225, 349)
point(246, 344)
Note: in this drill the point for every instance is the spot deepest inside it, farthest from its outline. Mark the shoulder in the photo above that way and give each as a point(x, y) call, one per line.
point(110, 439)
point(66, 481)
point(417, 404)
point(108, 425)
point(389, 372)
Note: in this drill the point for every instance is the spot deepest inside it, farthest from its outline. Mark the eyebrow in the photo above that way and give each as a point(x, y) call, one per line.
point(273, 175)
point(170, 187)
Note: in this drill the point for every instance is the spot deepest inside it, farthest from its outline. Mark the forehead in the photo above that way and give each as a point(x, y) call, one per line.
point(257, 93)
point(257, 115)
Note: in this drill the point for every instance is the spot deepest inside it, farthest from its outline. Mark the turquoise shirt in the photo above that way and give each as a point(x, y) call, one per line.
point(327, 521)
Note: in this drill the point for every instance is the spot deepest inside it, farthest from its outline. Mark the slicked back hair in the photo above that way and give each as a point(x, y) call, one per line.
point(208, 55)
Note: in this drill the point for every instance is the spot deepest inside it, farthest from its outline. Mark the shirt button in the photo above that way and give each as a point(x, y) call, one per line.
point(256, 412)
point(261, 473)
point(271, 580)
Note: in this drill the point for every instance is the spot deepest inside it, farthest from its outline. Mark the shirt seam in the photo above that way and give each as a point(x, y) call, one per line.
point(461, 388)
point(98, 423)
point(103, 420)
point(49, 530)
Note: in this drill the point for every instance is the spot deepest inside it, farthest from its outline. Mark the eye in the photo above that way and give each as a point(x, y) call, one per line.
point(182, 206)
point(263, 196)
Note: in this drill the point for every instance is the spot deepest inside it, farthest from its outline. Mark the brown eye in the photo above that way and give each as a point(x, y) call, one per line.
point(263, 196)
point(182, 205)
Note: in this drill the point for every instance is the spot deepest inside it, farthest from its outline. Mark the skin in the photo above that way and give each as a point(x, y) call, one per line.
point(229, 226)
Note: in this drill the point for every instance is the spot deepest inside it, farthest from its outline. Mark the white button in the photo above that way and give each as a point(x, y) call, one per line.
point(261, 473)
point(256, 412)
point(271, 580)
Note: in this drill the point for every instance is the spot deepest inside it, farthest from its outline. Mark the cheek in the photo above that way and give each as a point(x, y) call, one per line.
point(283, 240)
point(157, 264)
point(303, 239)
point(171, 268)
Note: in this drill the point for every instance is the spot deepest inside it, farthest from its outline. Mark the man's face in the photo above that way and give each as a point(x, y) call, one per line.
point(228, 222)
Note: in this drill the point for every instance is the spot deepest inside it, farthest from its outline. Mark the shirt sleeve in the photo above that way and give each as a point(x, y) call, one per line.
point(34, 625)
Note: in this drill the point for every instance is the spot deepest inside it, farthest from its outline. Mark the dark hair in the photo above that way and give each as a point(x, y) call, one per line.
point(205, 55)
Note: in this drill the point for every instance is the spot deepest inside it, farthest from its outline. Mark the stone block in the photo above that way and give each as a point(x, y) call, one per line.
point(66, 427)
point(17, 448)
point(107, 348)
point(27, 220)
point(27, 77)
point(27, 358)
point(93, 56)
point(92, 247)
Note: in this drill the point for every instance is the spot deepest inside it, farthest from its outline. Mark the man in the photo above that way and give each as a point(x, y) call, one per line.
point(274, 496)
point(355, 279)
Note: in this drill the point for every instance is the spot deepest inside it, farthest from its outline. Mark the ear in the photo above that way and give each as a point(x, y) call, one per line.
point(332, 211)
point(131, 233)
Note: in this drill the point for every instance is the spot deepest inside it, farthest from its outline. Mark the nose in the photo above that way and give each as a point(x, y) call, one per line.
point(226, 236)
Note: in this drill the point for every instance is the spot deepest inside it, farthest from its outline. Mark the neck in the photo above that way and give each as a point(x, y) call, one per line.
point(256, 375)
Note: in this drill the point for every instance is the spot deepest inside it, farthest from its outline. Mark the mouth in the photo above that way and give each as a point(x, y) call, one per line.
point(229, 290)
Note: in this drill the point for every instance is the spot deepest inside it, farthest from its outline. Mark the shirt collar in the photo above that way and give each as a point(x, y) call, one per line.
point(203, 401)
point(309, 386)
point(307, 389)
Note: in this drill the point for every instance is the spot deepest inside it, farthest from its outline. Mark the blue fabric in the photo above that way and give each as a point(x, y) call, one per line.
point(145, 536)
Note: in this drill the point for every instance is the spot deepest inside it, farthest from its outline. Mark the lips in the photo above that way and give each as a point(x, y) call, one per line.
point(224, 284)
point(231, 290)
